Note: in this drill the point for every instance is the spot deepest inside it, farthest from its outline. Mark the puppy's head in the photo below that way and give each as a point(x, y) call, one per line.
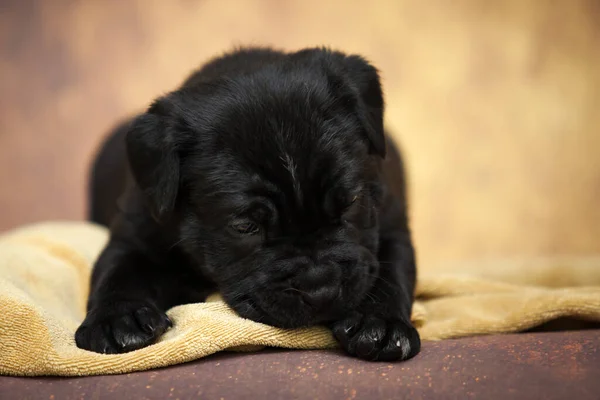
point(272, 179)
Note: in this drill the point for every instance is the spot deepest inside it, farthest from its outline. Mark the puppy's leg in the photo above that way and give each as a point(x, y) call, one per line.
point(380, 329)
point(133, 284)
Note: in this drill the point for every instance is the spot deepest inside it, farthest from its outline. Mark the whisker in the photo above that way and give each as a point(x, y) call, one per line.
point(373, 297)
point(177, 243)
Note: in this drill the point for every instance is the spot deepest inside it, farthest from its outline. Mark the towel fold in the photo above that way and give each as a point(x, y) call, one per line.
point(44, 278)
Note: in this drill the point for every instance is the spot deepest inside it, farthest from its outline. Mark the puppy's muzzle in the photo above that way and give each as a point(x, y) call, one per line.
point(318, 284)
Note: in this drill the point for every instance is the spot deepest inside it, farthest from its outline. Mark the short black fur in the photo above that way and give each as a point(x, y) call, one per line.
point(265, 177)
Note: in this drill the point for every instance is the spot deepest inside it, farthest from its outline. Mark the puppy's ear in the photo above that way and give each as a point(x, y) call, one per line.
point(363, 79)
point(154, 160)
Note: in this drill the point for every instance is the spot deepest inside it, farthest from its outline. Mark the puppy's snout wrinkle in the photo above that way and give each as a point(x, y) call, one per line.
point(320, 274)
point(318, 284)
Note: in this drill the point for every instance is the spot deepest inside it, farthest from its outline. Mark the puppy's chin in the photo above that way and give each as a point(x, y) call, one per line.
point(280, 305)
point(286, 317)
point(289, 313)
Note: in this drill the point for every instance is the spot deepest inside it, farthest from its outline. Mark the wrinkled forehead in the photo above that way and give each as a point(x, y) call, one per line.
point(287, 178)
point(297, 132)
point(290, 142)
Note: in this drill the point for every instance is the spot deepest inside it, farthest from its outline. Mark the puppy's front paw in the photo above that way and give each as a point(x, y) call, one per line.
point(123, 327)
point(377, 339)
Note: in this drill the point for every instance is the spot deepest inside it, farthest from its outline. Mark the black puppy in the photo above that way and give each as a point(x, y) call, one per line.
point(262, 177)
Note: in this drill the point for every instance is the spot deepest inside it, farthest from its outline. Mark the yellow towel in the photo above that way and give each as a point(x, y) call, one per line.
point(44, 272)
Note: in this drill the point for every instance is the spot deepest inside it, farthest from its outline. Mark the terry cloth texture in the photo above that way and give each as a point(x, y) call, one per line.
point(44, 283)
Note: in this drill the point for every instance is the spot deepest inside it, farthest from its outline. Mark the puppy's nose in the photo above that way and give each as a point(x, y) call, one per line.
point(319, 299)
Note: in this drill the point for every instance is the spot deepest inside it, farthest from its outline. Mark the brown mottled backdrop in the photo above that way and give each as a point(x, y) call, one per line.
point(496, 103)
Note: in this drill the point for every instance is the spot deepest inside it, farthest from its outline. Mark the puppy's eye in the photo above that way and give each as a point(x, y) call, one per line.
point(353, 200)
point(247, 228)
